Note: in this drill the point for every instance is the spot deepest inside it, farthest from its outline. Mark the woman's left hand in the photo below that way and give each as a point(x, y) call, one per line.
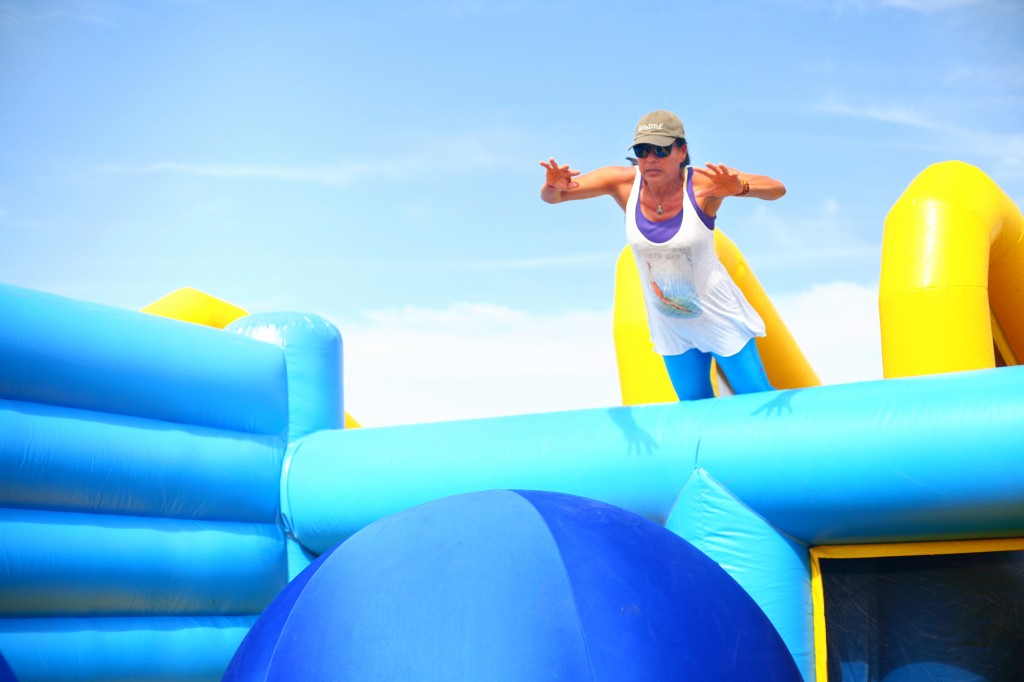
point(722, 181)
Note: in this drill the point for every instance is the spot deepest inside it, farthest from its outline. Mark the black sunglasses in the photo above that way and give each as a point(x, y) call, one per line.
point(642, 150)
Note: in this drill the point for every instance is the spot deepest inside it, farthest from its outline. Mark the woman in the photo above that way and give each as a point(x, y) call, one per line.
point(694, 309)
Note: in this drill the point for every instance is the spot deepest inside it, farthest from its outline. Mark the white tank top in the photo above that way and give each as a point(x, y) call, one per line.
point(691, 300)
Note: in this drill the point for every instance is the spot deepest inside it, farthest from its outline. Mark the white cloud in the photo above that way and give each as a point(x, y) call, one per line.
point(337, 175)
point(468, 360)
point(19, 15)
point(932, 5)
point(837, 327)
point(899, 114)
point(1008, 147)
point(912, 5)
point(430, 157)
point(413, 365)
point(582, 259)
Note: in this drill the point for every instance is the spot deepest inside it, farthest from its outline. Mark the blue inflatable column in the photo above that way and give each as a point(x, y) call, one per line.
point(313, 357)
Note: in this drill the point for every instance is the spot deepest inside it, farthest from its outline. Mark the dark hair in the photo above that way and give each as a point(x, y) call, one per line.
point(680, 141)
point(686, 162)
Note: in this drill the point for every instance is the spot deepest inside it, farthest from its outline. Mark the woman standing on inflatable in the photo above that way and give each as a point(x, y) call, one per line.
point(694, 309)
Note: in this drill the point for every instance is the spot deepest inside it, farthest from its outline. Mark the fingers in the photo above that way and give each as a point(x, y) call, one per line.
point(562, 170)
point(722, 178)
point(715, 169)
point(551, 164)
point(718, 168)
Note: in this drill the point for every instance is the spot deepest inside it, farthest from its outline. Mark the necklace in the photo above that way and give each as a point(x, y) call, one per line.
point(658, 210)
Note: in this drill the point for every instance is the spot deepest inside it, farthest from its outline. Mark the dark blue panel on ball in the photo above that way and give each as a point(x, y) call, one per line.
point(6, 674)
point(652, 605)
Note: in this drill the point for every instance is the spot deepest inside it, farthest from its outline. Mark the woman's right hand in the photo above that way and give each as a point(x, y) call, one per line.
point(559, 177)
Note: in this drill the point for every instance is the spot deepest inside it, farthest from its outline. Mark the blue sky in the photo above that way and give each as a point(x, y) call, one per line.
point(377, 163)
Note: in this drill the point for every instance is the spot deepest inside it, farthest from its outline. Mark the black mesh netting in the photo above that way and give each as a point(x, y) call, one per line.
point(942, 618)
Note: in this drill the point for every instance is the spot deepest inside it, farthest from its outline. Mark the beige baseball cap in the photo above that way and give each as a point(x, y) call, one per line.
point(659, 127)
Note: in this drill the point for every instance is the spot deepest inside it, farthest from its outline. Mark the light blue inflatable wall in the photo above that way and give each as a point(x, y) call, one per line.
point(140, 464)
point(161, 481)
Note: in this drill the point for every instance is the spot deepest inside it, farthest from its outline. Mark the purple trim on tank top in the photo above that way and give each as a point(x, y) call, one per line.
point(659, 232)
point(709, 221)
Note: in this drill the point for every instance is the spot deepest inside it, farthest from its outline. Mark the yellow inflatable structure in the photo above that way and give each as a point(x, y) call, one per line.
point(642, 374)
point(950, 294)
point(191, 305)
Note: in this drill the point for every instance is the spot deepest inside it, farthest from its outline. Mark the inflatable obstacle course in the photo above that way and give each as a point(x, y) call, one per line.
point(162, 481)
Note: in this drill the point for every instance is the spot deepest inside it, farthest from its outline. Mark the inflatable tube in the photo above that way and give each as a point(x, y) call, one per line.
point(61, 564)
point(65, 459)
point(893, 460)
point(642, 375)
point(850, 463)
point(62, 352)
point(952, 264)
point(337, 482)
point(59, 649)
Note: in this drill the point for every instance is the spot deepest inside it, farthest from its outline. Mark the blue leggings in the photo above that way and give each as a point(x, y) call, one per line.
point(690, 372)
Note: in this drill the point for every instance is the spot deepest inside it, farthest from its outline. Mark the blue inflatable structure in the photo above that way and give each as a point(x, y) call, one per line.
point(161, 482)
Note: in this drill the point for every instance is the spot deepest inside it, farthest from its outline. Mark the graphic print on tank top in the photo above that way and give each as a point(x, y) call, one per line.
point(674, 296)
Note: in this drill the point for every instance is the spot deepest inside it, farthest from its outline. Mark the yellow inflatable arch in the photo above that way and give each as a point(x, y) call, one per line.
point(950, 294)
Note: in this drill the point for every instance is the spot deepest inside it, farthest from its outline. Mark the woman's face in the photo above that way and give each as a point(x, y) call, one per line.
point(652, 166)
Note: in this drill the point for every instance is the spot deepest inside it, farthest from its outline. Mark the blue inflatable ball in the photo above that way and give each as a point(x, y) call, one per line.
point(513, 585)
